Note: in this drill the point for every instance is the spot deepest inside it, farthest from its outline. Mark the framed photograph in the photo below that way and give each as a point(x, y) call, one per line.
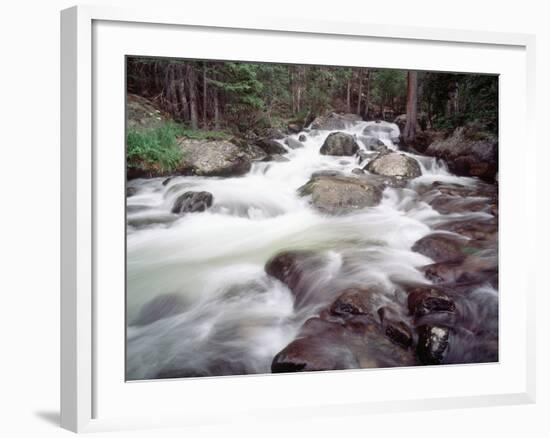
point(258, 208)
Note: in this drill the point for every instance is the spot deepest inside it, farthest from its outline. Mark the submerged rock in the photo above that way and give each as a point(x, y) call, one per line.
point(302, 138)
point(339, 143)
point(340, 194)
point(213, 158)
point(441, 247)
point(162, 306)
point(292, 143)
point(394, 164)
point(192, 202)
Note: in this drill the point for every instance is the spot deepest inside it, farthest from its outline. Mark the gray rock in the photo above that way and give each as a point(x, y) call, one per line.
point(334, 121)
point(339, 143)
point(302, 138)
point(341, 194)
point(213, 158)
point(396, 165)
point(192, 202)
point(271, 147)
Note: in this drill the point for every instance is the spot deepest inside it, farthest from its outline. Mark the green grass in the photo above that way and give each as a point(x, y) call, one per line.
point(157, 150)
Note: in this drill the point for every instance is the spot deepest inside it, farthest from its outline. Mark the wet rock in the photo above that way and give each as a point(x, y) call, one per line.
point(167, 181)
point(484, 230)
point(271, 147)
point(339, 143)
point(335, 121)
point(394, 328)
point(433, 343)
point(440, 247)
point(358, 171)
point(394, 164)
point(213, 158)
point(469, 151)
point(292, 143)
point(277, 158)
point(340, 194)
point(473, 269)
point(313, 353)
point(425, 300)
point(302, 138)
point(296, 269)
point(192, 202)
point(354, 301)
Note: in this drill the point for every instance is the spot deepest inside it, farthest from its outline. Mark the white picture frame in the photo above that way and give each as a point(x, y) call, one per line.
point(85, 375)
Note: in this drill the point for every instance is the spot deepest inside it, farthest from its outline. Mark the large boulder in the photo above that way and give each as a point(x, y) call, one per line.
point(213, 158)
point(192, 202)
point(335, 121)
point(469, 151)
point(396, 165)
point(424, 300)
point(354, 301)
point(341, 194)
point(339, 143)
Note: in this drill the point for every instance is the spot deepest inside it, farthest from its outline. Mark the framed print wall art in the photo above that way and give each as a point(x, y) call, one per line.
point(241, 219)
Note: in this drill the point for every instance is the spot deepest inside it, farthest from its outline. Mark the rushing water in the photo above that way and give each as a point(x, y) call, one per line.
point(198, 299)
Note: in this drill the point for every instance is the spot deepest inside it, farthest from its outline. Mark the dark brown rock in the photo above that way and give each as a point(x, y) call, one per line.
point(440, 247)
point(433, 343)
point(424, 300)
point(192, 202)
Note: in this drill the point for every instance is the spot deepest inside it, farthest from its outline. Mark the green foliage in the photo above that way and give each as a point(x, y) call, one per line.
point(389, 88)
point(154, 148)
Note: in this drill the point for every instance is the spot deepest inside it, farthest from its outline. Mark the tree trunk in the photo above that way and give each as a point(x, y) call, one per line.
point(348, 97)
point(192, 86)
point(360, 92)
point(367, 97)
point(204, 91)
point(409, 133)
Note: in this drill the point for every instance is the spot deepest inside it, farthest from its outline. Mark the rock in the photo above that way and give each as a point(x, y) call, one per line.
point(473, 269)
point(395, 328)
point(339, 143)
point(358, 171)
point(277, 158)
point(401, 121)
point(271, 147)
point(255, 153)
point(297, 270)
point(424, 300)
point(275, 133)
point(313, 353)
point(167, 181)
point(294, 127)
point(302, 138)
point(192, 202)
point(340, 194)
point(469, 151)
point(396, 165)
point(385, 128)
point(213, 158)
point(440, 247)
point(372, 143)
point(292, 143)
point(354, 301)
point(433, 343)
point(335, 121)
